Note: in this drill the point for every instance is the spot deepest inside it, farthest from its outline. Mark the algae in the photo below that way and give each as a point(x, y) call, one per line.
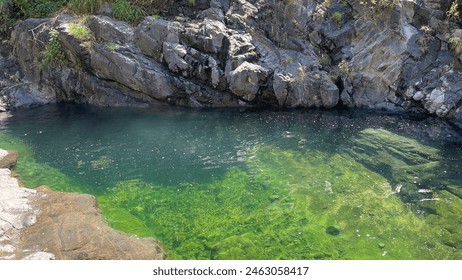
point(288, 204)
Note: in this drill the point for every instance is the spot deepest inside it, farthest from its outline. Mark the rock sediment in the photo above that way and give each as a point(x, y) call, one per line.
point(43, 224)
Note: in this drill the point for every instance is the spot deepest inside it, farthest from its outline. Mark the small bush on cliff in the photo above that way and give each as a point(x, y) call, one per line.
point(80, 31)
point(85, 6)
point(378, 7)
point(453, 13)
point(38, 8)
point(54, 53)
point(125, 11)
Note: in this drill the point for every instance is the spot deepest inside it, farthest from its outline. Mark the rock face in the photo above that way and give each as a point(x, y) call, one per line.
point(400, 56)
point(42, 224)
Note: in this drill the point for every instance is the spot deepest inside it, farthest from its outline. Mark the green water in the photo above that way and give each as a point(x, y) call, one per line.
point(234, 184)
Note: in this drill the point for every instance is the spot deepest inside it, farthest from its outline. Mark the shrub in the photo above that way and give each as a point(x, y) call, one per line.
point(377, 7)
point(39, 8)
point(80, 31)
point(54, 53)
point(337, 17)
point(456, 44)
point(453, 13)
point(128, 12)
point(84, 6)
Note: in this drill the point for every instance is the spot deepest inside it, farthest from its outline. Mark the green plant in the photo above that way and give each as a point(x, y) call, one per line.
point(191, 3)
point(80, 31)
point(84, 6)
point(5, 20)
point(289, 60)
point(39, 8)
point(453, 13)
point(345, 68)
point(337, 17)
point(376, 8)
point(125, 11)
point(112, 46)
point(324, 59)
point(54, 53)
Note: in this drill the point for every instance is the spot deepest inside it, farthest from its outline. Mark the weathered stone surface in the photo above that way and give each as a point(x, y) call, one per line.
point(245, 81)
point(70, 226)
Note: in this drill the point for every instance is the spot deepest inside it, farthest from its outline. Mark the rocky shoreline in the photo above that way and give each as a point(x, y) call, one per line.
point(404, 56)
point(43, 224)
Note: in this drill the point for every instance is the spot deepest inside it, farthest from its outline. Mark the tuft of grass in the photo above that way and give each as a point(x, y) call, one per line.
point(338, 18)
point(125, 11)
point(80, 31)
point(452, 14)
point(84, 6)
point(54, 53)
point(456, 44)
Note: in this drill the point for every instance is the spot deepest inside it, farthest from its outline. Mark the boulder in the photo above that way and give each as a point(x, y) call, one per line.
point(246, 80)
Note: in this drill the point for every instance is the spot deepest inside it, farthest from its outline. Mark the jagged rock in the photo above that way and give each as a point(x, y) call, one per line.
point(246, 80)
point(110, 30)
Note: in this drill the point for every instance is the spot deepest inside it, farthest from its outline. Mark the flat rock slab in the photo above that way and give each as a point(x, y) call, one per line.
point(70, 226)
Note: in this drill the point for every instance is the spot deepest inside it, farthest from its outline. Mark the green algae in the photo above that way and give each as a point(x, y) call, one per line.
point(286, 204)
point(35, 174)
point(281, 207)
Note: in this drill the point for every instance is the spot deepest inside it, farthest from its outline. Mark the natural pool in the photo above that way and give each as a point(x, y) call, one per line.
point(242, 184)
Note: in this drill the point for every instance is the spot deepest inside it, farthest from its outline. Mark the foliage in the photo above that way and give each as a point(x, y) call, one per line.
point(80, 31)
point(453, 13)
point(5, 20)
point(337, 17)
point(39, 8)
point(84, 6)
point(289, 59)
point(125, 11)
point(54, 53)
point(377, 7)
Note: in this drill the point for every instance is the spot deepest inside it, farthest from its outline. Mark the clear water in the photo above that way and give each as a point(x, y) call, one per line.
point(242, 184)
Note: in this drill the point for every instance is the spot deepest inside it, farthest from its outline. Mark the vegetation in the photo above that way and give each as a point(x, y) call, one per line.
point(80, 31)
point(84, 6)
point(338, 210)
point(337, 17)
point(125, 11)
point(453, 13)
point(39, 8)
point(376, 8)
point(54, 53)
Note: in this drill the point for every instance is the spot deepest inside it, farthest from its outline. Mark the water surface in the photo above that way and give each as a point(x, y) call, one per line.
point(245, 184)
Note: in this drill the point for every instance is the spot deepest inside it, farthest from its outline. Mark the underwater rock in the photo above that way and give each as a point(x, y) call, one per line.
point(407, 163)
point(332, 230)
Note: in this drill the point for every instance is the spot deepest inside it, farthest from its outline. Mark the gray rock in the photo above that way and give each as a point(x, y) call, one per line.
point(246, 80)
point(110, 30)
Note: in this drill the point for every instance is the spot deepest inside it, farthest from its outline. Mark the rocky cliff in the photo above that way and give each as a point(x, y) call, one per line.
point(391, 54)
